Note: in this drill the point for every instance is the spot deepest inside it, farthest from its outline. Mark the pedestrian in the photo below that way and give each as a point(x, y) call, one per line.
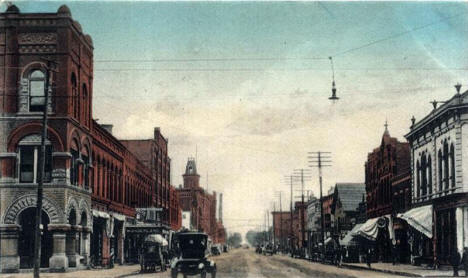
point(455, 261)
point(368, 257)
point(464, 261)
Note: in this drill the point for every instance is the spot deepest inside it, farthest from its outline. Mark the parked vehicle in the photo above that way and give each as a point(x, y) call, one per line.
point(215, 250)
point(269, 250)
point(192, 259)
point(151, 255)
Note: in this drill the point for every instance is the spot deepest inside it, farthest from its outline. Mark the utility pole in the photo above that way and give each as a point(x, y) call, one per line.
point(268, 226)
point(319, 160)
point(302, 209)
point(273, 221)
point(41, 172)
point(291, 215)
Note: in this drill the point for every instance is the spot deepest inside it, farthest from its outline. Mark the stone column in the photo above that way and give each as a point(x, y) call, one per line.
point(85, 244)
point(59, 261)
point(9, 259)
point(70, 246)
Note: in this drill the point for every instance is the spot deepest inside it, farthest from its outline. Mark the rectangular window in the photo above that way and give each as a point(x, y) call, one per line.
point(29, 164)
point(27, 154)
point(37, 98)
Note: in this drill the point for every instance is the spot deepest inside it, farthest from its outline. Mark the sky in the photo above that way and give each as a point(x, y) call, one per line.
point(244, 86)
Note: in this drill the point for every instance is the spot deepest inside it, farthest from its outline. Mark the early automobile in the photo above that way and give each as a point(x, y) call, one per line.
point(192, 259)
point(151, 254)
point(269, 250)
point(215, 250)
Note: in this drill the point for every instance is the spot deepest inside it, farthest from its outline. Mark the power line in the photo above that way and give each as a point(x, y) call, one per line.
point(399, 34)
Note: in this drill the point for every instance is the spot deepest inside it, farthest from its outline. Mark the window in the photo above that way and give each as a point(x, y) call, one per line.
point(74, 96)
point(452, 166)
point(29, 163)
point(74, 167)
point(36, 91)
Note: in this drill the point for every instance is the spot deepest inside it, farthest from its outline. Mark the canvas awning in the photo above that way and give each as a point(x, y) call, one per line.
point(118, 216)
point(348, 239)
point(97, 213)
point(369, 229)
point(419, 218)
point(157, 239)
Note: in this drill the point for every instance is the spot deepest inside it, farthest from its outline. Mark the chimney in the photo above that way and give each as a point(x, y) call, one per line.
point(157, 132)
point(220, 214)
point(108, 128)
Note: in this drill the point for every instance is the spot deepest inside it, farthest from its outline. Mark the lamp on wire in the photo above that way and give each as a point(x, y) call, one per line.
point(333, 96)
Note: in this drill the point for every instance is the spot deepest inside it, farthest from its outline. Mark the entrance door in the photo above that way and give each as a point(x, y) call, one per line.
point(446, 229)
point(27, 221)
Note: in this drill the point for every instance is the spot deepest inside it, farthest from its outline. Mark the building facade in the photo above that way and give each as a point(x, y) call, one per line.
point(93, 183)
point(439, 162)
point(346, 199)
point(200, 204)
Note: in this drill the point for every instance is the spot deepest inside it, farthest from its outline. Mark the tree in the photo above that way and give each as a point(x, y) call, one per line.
point(235, 240)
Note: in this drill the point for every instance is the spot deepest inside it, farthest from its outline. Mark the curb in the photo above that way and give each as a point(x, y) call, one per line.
point(401, 273)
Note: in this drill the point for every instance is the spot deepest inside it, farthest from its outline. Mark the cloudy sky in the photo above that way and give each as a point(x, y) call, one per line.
point(247, 84)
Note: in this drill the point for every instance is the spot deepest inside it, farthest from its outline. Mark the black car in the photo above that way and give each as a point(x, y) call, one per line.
point(151, 256)
point(192, 259)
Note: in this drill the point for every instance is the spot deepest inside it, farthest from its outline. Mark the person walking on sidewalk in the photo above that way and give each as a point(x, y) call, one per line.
point(464, 261)
point(455, 261)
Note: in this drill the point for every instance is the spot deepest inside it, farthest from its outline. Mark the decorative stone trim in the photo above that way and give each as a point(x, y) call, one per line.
point(27, 201)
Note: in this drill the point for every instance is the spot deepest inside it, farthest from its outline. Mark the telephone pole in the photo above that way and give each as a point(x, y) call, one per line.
point(318, 160)
point(37, 234)
point(302, 210)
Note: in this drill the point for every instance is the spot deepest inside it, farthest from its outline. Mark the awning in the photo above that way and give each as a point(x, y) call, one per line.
point(157, 239)
point(118, 216)
point(419, 218)
point(348, 239)
point(369, 229)
point(97, 213)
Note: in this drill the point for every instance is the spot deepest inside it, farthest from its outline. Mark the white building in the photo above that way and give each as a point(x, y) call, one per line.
point(439, 159)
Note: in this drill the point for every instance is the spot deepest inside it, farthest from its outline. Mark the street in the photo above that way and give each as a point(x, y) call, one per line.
point(240, 263)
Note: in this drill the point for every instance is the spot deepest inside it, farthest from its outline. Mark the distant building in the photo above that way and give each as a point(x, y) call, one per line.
point(281, 228)
point(346, 199)
point(200, 204)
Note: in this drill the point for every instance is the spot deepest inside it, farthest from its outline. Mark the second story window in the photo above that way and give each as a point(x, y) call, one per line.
point(29, 149)
point(36, 91)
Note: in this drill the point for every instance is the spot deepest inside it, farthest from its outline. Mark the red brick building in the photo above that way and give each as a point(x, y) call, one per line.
point(201, 204)
point(281, 227)
point(93, 183)
point(391, 159)
point(154, 155)
point(388, 191)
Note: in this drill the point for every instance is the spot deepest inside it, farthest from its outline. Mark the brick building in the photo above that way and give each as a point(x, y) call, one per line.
point(281, 228)
point(93, 183)
point(200, 204)
point(154, 155)
point(387, 174)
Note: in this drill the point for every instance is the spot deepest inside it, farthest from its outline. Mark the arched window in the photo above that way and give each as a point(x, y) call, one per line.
point(74, 95)
point(29, 148)
point(74, 150)
point(423, 175)
point(36, 91)
point(418, 179)
point(446, 165)
point(429, 175)
point(84, 104)
point(452, 166)
point(440, 170)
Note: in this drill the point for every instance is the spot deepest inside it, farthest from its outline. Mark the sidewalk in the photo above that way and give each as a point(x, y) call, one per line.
point(406, 269)
point(117, 271)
